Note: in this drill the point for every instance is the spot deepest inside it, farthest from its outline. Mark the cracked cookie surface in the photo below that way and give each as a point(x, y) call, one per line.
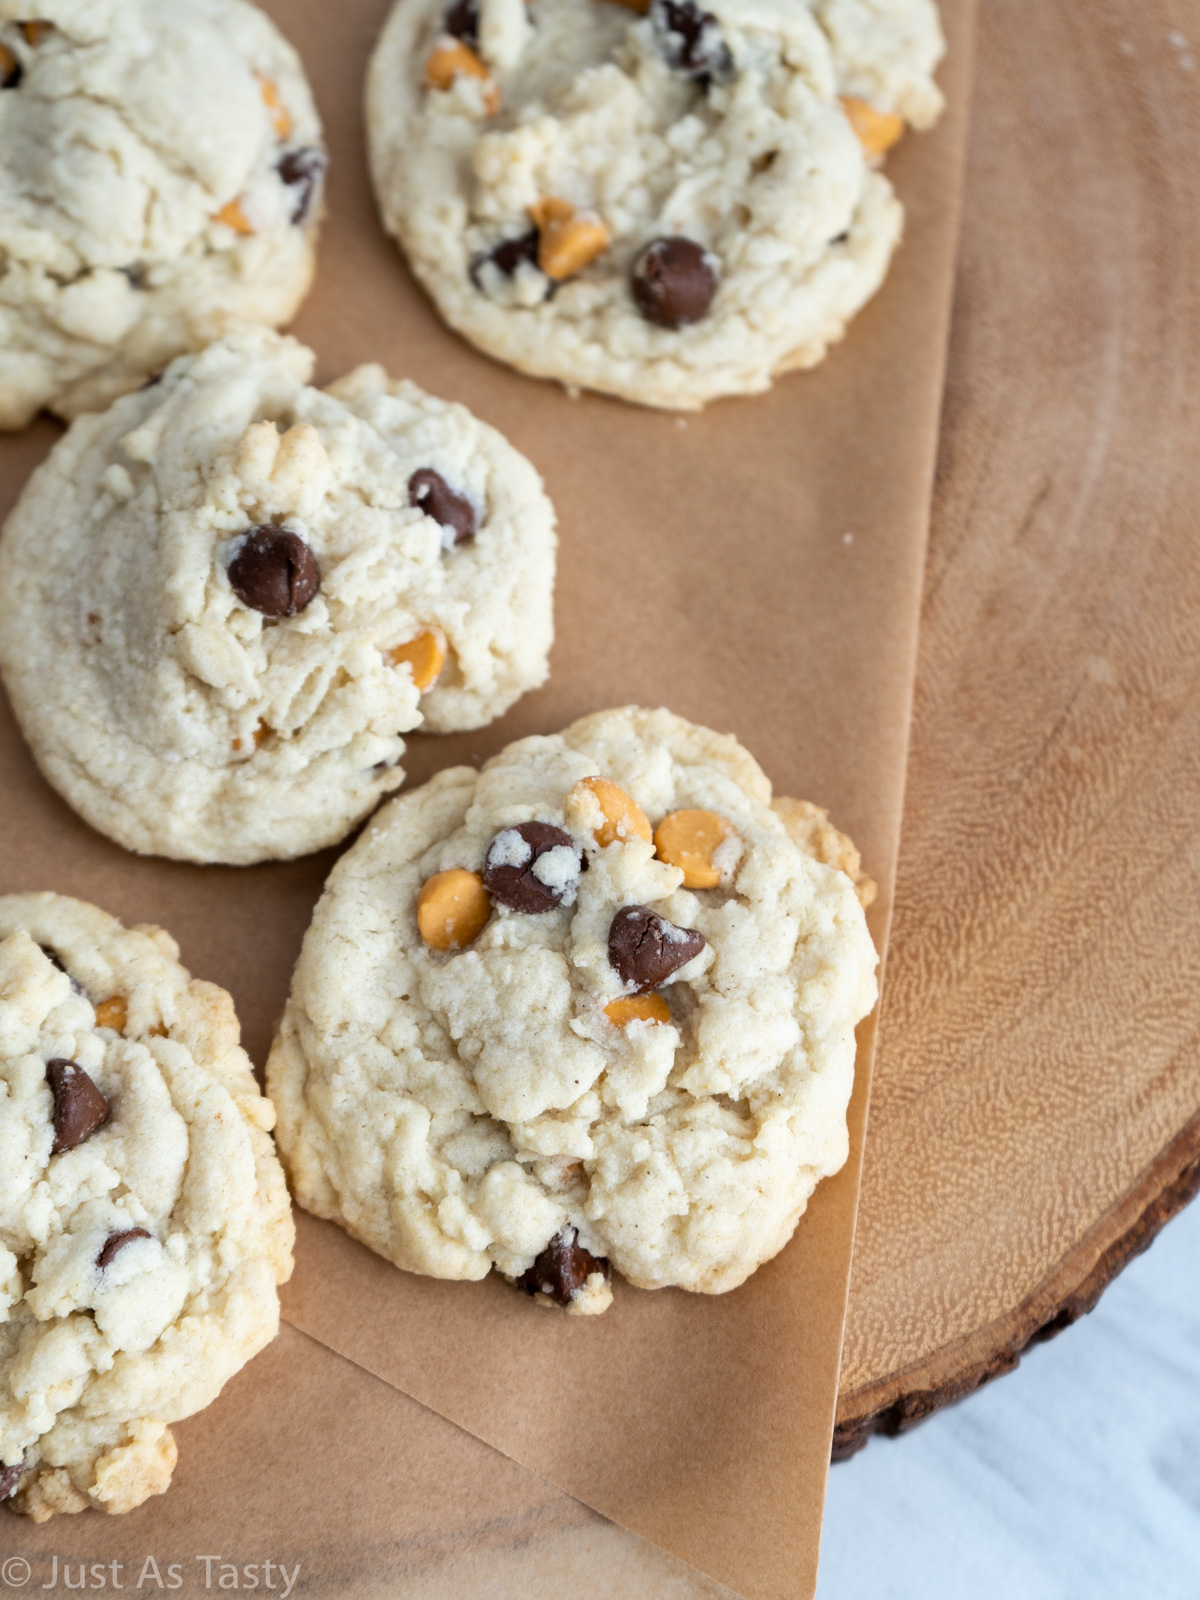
point(160, 168)
point(667, 207)
point(144, 1219)
point(224, 600)
point(605, 1065)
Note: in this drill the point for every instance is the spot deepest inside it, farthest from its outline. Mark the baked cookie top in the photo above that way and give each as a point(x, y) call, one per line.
point(666, 207)
point(160, 166)
point(223, 600)
point(592, 1003)
point(144, 1220)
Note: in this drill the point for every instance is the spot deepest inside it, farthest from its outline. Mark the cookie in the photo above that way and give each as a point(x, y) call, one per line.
point(144, 1220)
point(591, 1006)
point(161, 168)
point(224, 600)
point(666, 207)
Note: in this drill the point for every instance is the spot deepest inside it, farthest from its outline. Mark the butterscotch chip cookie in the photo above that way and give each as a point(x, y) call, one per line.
point(577, 1061)
point(144, 1219)
point(660, 199)
point(224, 600)
point(161, 167)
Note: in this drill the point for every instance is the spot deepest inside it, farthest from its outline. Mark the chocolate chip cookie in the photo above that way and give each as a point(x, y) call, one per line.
point(224, 600)
point(161, 167)
point(589, 1007)
point(144, 1220)
point(666, 200)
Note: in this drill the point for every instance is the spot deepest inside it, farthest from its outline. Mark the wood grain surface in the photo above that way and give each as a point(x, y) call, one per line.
point(1036, 1106)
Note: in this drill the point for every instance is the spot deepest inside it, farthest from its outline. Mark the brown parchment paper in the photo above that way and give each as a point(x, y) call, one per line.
point(756, 568)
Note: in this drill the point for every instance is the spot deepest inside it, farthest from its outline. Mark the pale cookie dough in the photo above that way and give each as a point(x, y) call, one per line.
point(576, 1084)
point(224, 600)
point(144, 1219)
point(529, 158)
point(160, 168)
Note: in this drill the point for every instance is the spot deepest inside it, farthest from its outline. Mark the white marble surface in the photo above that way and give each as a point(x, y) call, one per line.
point(1077, 1475)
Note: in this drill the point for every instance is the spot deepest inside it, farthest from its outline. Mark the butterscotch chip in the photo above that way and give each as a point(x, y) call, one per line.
point(425, 655)
point(36, 32)
point(623, 817)
point(452, 59)
point(280, 118)
point(452, 909)
point(232, 216)
point(113, 1013)
point(877, 131)
point(637, 1008)
point(567, 239)
point(690, 840)
point(10, 77)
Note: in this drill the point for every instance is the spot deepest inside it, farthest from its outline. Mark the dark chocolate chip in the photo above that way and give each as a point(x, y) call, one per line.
point(462, 22)
point(673, 281)
point(79, 1107)
point(10, 1477)
point(690, 41)
point(562, 1269)
point(507, 256)
point(11, 73)
point(511, 880)
point(645, 949)
point(430, 492)
point(274, 572)
point(53, 957)
point(116, 1242)
point(302, 171)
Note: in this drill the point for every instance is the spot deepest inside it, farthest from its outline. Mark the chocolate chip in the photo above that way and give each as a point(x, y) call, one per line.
point(430, 492)
point(116, 1242)
point(507, 256)
point(79, 1107)
point(673, 281)
point(53, 957)
point(645, 948)
point(562, 1269)
point(10, 1477)
point(274, 572)
point(302, 171)
point(462, 22)
point(11, 73)
point(690, 41)
point(509, 874)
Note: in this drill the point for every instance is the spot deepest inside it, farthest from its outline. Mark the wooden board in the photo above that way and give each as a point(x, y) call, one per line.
point(1036, 1107)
